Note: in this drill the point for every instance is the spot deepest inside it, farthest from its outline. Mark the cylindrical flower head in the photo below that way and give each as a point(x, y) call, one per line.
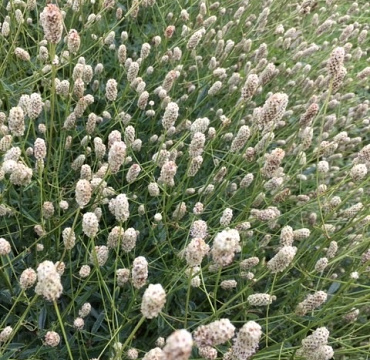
point(52, 22)
point(311, 302)
point(39, 149)
point(196, 146)
point(5, 334)
point(90, 224)
point(199, 229)
point(195, 39)
point(246, 342)
point(119, 207)
point(99, 255)
point(215, 333)
point(178, 345)
point(286, 236)
point(261, 299)
point(16, 121)
point(168, 173)
point(69, 238)
point(272, 162)
point(273, 109)
point(129, 240)
point(195, 165)
point(48, 285)
point(139, 272)
point(170, 115)
point(132, 71)
point(250, 87)
point(28, 278)
point(153, 301)
point(282, 259)
point(358, 172)
point(132, 173)
point(122, 276)
point(73, 41)
point(336, 60)
point(225, 245)
point(195, 252)
point(83, 192)
point(111, 90)
point(155, 354)
point(318, 338)
point(226, 217)
point(116, 156)
point(240, 139)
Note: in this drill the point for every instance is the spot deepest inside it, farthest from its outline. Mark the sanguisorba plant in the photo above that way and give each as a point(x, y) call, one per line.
point(184, 179)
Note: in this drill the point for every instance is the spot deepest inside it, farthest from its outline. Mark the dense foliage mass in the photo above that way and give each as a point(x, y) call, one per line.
point(184, 180)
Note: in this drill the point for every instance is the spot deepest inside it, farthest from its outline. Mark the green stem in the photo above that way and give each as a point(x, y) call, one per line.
point(133, 332)
point(216, 288)
point(52, 107)
point(188, 298)
point(267, 312)
point(63, 329)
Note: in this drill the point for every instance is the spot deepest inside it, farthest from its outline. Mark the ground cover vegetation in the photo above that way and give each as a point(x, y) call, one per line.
point(184, 179)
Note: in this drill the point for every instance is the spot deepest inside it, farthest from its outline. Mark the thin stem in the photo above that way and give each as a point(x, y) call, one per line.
point(188, 298)
point(63, 329)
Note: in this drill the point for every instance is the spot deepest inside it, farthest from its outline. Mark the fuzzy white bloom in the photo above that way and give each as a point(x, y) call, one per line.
point(129, 239)
point(178, 345)
point(85, 271)
point(314, 346)
point(16, 121)
point(261, 299)
point(247, 340)
point(153, 301)
point(170, 115)
point(48, 284)
point(5, 247)
point(28, 278)
point(139, 272)
point(122, 276)
point(83, 192)
point(215, 333)
point(52, 338)
point(119, 207)
point(111, 90)
point(51, 20)
point(282, 259)
point(358, 172)
point(78, 323)
point(5, 334)
point(195, 251)
point(199, 229)
point(90, 224)
point(99, 255)
point(85, 310)
point(226, 217)
point(225, 245)
point(116, 156)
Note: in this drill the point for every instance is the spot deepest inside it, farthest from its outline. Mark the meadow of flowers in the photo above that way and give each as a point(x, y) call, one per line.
point(184, 179)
